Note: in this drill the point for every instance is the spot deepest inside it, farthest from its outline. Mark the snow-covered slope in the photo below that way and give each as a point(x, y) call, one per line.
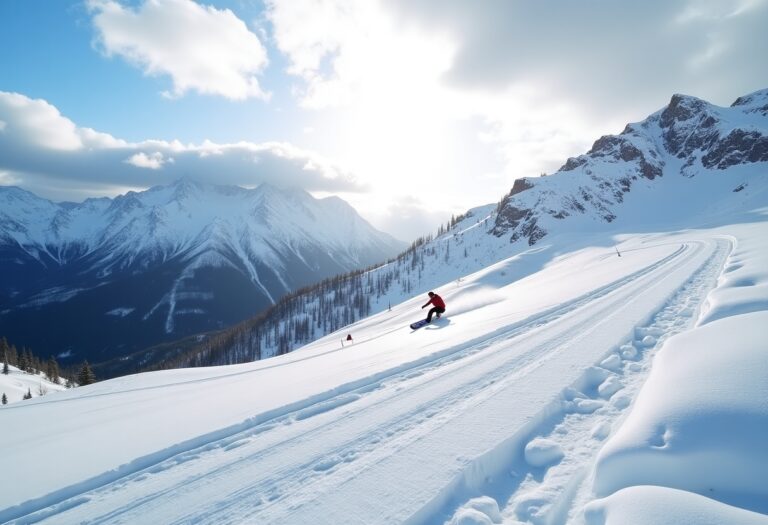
point(166, 262)
point(689, 163)
point(495, 414)
point(16, 384)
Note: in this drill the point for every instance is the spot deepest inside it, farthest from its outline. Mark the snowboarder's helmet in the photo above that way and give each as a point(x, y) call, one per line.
point(431, 294)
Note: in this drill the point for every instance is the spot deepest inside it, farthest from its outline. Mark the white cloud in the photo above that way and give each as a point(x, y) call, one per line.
point(348, 52)
point(201, 48)
point(430, 96)
point(37, 123)
point(383, 78)
point(408, 218)
point(605, 56)
point(153, 161)
point(6, 179)
point(40, 148)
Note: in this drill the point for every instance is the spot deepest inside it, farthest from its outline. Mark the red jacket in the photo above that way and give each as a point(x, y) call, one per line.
point(437, 301)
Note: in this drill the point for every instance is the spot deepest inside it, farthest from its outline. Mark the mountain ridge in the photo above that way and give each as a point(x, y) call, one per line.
point(685, 137)
point(187, 245)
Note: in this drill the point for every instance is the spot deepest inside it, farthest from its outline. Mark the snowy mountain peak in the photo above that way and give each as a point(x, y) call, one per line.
point(682, 108)
point(689, 137)
point(181, 258)
point(756, 102)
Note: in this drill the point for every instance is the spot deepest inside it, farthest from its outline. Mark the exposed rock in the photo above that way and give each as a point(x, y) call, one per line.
point(520, 186)
point(680, 109)
point(757, 100)
point(573, 163)
point(508, 218)
point(702, 135)
point(737, 148)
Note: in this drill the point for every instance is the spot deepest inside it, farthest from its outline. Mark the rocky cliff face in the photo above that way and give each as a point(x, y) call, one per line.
point(689, 136)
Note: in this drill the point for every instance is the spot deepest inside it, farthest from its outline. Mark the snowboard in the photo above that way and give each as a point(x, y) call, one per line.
point(419, 324)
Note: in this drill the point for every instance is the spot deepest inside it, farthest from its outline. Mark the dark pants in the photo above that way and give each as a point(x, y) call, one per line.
point(436, 310)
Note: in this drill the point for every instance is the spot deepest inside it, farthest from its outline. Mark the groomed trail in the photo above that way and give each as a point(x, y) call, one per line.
point(410, 439)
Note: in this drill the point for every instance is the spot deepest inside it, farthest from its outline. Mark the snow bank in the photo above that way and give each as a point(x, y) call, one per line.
point(662, 506)
point(478, 511)
point(541, 452)
point(700, 422)
point(743, 286)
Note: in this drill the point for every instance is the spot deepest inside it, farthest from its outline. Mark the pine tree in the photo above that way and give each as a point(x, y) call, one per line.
point(52, 370)
point(5, 349)
point(22, 363)
point(86, 375)
point(28, 395)
point(5, 399)
point(37, 366)
point(5, 365)
point(13, 356)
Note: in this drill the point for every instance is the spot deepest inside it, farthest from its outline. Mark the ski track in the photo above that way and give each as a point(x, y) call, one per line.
point(345, 434)
point(557, 493)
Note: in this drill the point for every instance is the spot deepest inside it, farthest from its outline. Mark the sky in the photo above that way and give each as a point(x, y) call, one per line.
point(411, 110)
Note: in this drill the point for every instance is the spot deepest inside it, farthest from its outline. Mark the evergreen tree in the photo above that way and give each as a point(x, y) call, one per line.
point(5, 349)
point(22, 363)
point(86, 375)
point(52, 370)
point(13, 357)
point(5, 399)
point(37, 366)
point(5, 365)
point(28, 395)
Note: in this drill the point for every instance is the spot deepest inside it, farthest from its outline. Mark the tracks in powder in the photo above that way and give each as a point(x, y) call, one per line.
point(588, 411)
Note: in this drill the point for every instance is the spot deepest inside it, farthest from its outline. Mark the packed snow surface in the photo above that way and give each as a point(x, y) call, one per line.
point(533, 400)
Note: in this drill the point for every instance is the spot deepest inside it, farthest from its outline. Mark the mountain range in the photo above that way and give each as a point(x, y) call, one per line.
point(99, 279)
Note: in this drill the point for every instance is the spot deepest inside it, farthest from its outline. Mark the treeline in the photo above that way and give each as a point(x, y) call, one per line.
point(314, 311)
point(295, 320)
point(26, 361)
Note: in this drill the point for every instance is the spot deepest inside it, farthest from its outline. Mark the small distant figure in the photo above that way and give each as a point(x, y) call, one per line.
point(347, 339)
point(437, 308)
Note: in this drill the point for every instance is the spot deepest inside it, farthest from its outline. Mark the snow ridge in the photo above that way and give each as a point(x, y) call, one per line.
point(688, 137)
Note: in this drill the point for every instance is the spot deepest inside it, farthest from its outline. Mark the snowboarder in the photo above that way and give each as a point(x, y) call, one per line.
point(438, 308)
